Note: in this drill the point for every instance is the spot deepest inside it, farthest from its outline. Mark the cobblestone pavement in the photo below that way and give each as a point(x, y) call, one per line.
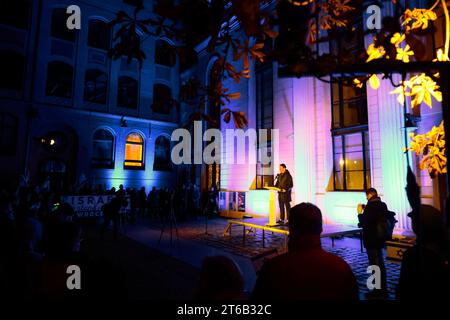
point(196, 231)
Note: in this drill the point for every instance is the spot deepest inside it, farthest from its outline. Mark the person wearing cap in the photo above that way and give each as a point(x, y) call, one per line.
point(306, 271)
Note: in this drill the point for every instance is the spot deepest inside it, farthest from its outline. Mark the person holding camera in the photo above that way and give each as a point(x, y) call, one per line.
point(371, 220)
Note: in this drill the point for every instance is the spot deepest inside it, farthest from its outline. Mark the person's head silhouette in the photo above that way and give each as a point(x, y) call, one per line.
point(428, 225)
point(371, 193)
point(220, 278)
point(305, 226)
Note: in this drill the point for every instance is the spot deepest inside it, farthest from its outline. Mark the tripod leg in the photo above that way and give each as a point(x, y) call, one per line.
point(176, 225)
point(206, 223)
point(162, 229)
point(171, 230)
point(160, 236)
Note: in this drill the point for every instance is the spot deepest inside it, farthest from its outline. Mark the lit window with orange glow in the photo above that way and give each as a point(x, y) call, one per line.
point(134, 151)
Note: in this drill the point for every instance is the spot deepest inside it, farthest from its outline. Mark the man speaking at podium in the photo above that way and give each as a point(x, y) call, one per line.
point(284, 182)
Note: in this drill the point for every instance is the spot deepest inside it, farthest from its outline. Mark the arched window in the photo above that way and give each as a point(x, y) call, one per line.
point(162, 99)
point(12, 65)
point(134, 152)
point(16, 13)
point(59, 79)
point(103, 149)
point(95, 86)
point(165, 54)
point(59, 28)
point(127, 93)
point(8, 133)
point(162, 155)
point(99, 34)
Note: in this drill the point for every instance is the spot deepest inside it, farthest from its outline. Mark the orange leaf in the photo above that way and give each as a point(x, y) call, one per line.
point(227, 117)
point(235, 95)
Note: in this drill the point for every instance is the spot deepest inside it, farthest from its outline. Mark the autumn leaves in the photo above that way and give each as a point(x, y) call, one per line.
point(421, 88)
point(431, 146)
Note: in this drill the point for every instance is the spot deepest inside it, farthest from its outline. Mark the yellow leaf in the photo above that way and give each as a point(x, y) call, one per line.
point(358, 83)
point(421, 89)
point(403, 54)
point(400, 95)
point(375, 52)
point(235, 95)
point(397, 38)
point(418, 18)
point(427, 99)
point(374, 82)
point(440, 56)
point(431, 146)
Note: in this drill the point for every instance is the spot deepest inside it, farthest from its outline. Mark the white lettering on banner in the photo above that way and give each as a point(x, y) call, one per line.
point(91, 206)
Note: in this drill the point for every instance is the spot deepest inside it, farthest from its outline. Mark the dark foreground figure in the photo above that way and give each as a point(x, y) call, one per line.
point(425, 273)
point(306, 272)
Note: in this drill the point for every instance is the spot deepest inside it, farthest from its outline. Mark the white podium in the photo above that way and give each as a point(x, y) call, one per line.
point(272, 219)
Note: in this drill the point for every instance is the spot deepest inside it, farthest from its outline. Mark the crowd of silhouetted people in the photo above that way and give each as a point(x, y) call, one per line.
point(186, 200)
point(181, 203)
point(40, 237)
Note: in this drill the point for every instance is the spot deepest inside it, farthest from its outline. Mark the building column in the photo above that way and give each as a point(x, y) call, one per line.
point(393, 158)
point(304, 174)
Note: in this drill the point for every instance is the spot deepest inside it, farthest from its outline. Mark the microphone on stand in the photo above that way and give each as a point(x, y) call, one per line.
point(276, 178)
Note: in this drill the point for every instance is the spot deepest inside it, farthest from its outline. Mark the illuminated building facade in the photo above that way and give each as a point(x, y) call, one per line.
point(72, 114)
point(336, 140)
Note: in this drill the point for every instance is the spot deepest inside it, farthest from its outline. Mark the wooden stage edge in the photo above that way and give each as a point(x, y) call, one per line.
point(252, 224)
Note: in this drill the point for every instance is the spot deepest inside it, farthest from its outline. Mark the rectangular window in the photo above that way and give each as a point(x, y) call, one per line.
point(59, 29)
point(8, 134)
point(162, 99)
point(134, 152)
point(350, 137)
point(102, 154)
point(127, 93)
point(349, 125)
point(264, 120)
point(349, 104)
point(133, 155)
point(351, 161)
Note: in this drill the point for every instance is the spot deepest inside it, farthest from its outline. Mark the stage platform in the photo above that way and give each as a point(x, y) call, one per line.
point(252, 224)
